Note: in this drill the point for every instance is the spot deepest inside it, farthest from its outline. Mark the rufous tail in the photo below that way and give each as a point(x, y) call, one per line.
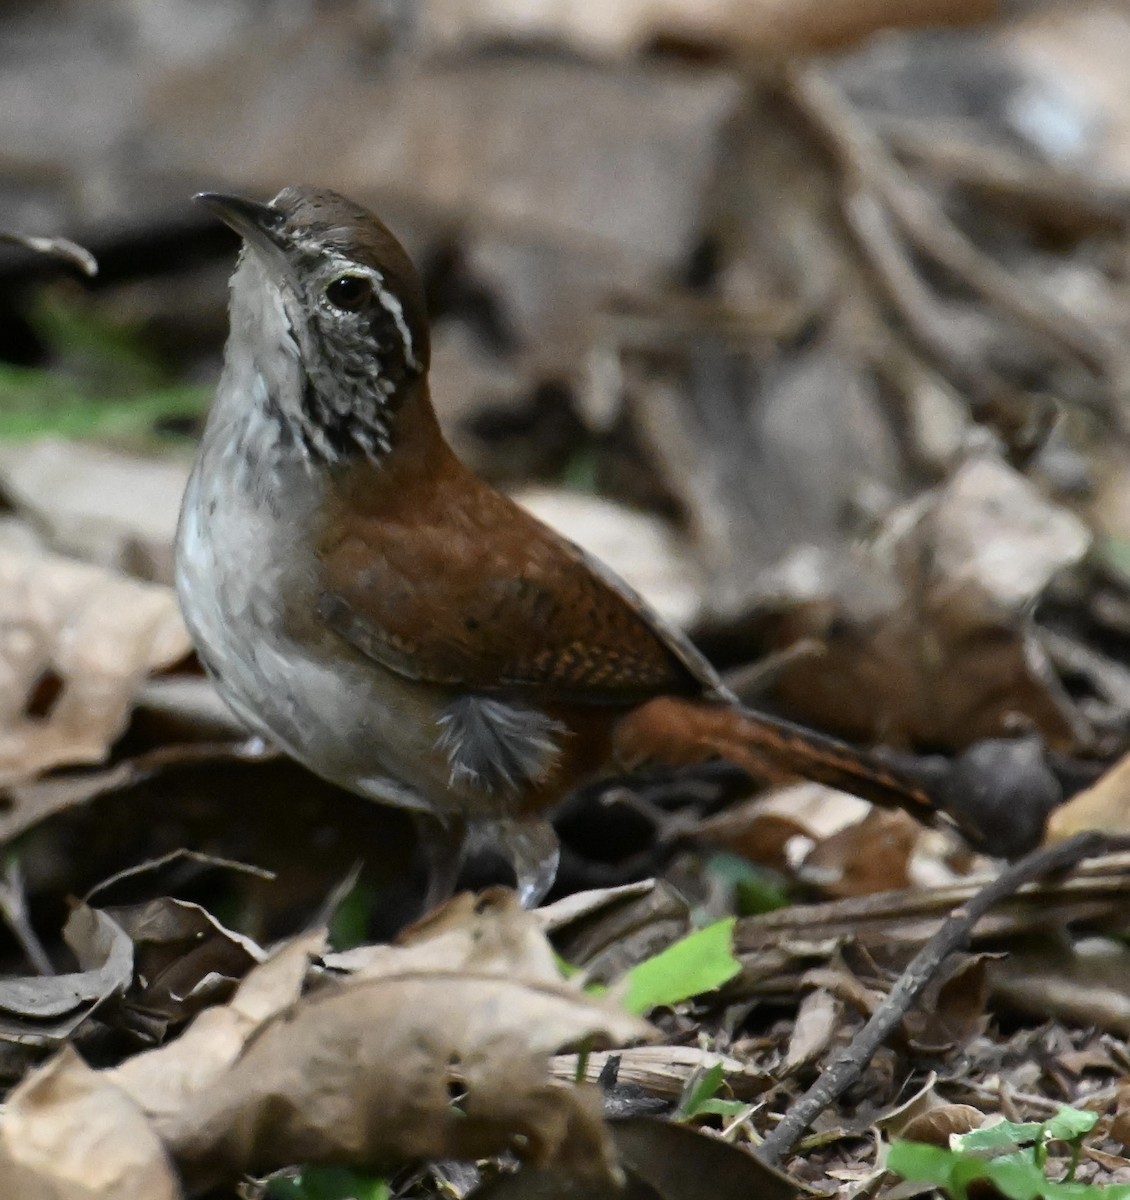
point(678, 732)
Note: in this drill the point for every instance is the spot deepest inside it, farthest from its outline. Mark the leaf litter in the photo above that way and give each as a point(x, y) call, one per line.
point(827, 354)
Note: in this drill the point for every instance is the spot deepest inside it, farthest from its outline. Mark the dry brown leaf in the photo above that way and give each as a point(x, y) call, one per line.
point(581, 905)
point(67, 1133)
point(1111, 1162)
point(97, 633)
point(114, 510)
point(681, 1163)
point(163, 1081)
point(925, 1100)
point(762, 837)
point(662, 1161)
point(953, 1008)
point(508, 145)
point(616, 928)
point(106, 957)
point(873, 855)
point(183, 956)
point(1104, 805)
point(782, 828)
point(816, 1021)
point(1120, 1126)
point(365, 1069)
point(431, 1065)
point(936, 1126)
point(485, 934)
point(1086, 984)
point(56, 247)
point(838, 981)
point(749, 26)
point(929, 635)
point(664, 1070)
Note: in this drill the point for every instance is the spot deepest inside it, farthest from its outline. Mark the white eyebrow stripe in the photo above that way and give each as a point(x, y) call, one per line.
point(393, 306)
point(388, 302)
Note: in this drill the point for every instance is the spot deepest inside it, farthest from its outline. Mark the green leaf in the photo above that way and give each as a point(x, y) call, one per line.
point(1015, 1176)
point(705, 1087)
point(349, 925)
point(756, 889)
point(328, 1183)
point(35, 402)
point(1005, 1135)
point(1016, 1180)
point(698, 963)
point(922, 1163)
point(1115, 552)
point(567, 969)
point(727, 1109)
point(1070, 1124)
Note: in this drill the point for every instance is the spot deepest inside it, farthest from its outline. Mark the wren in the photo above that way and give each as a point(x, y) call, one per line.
point(367, 603)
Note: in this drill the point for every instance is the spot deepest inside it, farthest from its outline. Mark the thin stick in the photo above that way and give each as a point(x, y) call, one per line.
point(954, 934)
point(13, 909)
point(926, 224)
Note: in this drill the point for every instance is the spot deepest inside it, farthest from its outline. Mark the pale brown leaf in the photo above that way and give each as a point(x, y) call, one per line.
point(939, 1124)
point(105, 955)
point(429, 1065)
point(67, 1133)
point(815, 1025)
point(485, 934)
point(1104, 805)
point(97, 633)
point(162, 1081)
point(105, 507)
point(750, 26)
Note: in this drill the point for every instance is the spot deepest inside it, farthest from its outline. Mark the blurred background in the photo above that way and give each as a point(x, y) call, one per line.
point(810, 318)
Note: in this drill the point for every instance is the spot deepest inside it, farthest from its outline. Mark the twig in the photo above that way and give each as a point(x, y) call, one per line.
point(58, 247)
point(13, 908)
point(1050, 192)
point(923, 220)
point(849, 1066)
point(870, 221)
point(183, 855)
point(1109, 678)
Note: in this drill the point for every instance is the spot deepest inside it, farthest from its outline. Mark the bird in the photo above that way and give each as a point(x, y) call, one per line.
point(367, 603)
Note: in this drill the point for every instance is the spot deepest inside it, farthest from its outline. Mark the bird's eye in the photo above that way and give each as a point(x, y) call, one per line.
point(349, 292)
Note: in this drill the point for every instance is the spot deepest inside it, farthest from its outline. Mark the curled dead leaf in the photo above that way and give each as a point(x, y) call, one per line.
point(485, 934)
point(662, 1161)
point(91, 636)
point(939, 1124)
point(105, 954)
point(1104, 805)
point(163, 1081)
point(815, 1026)
point(954, 1007)
point(616, 928)
point(54, 247)
point(428, 1065)
point(184, 956)
point(67, 1133)
point(929, 635)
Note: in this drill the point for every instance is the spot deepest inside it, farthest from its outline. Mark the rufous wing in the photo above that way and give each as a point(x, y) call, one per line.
point(468, 590)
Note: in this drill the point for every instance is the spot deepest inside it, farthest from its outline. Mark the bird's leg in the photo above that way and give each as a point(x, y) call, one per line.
point(530, 846)
point(443, 843)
